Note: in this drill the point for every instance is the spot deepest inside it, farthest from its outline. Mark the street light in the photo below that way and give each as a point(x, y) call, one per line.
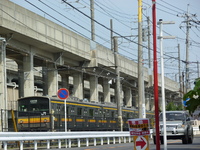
point(161, 37)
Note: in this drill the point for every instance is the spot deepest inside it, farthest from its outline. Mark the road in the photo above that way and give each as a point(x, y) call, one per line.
point(171, 145)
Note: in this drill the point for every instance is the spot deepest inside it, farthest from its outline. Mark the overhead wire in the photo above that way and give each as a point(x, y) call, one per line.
point(134, 42)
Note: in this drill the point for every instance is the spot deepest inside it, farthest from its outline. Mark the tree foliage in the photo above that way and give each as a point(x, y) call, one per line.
point(193, 97)
point(171, 106)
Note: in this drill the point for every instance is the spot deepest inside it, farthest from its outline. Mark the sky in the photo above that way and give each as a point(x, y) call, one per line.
point(75, 15)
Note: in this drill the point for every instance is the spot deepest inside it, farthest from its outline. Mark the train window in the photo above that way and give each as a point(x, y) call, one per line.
point(91, 112)
point(124, 114)
point(85, 112)
point(23, 108)
point(104, 113)
point(127, 115)
point(100, 112)
point(58, 108)
point(113, 114)
point(34, 107)
point(96, 112)
point(107, 113)
point(68, 110)
point(116, 115)
point(72, 110)
point(79, 111)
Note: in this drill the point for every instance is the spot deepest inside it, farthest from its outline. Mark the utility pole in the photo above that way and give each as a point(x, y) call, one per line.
point(149, 42)
point(111, 34)
point(179, 72)
point(198, 69)
point(92, 20)
point(141, 98)
point(118, 86)
point(187, 49)
point(188, 26)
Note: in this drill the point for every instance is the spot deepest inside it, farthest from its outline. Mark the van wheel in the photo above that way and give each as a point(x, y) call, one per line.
point(190, 139)
point(185, 139)
point(154, 139)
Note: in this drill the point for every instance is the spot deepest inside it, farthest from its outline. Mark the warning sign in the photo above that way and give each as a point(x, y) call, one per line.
point(139, 127)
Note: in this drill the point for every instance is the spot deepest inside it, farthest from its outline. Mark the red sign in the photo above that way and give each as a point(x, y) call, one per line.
point(139, 127)
point(63, 93)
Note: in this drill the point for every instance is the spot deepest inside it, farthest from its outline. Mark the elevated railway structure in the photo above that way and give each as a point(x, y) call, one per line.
point(39, 56)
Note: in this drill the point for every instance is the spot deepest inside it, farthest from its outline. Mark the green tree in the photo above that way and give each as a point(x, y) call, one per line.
point(193, 96)
point(170, 106)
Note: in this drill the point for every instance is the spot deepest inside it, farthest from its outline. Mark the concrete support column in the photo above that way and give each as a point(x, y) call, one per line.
point(52, 75)
point(65, 81)
point(28, 75)
point(45, 80)
point(21, 80)
point(78, 85)
point(3, 88)
point(135, 95)
point(94, 96)
point(147, 101)
point(106, 90)
point(128, 96)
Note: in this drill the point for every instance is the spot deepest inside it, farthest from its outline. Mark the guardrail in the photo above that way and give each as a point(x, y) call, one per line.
point(65, 137)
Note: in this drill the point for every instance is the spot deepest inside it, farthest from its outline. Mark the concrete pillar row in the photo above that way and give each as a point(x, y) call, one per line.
point(106, 90)
point(3, 90)
point(28, 70)
point(65, 81)
point(45, 79)
point(128, 96)
point(52, 75)
point(78, 85)
point(21, 79)
point(94, 96)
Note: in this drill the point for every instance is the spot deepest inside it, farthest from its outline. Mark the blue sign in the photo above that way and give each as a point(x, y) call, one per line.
point(184, 102)
point(63, 93)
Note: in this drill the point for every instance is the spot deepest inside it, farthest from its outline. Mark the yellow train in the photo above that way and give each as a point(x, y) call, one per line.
point(42, 113)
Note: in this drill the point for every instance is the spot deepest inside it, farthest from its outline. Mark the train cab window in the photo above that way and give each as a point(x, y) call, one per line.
point(79, 111)
point(91, 112)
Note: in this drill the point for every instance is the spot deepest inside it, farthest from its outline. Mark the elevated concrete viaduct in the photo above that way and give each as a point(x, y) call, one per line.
point(47, 56)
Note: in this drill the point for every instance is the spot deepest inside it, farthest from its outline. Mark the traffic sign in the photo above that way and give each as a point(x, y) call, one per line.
point(141, 143)
point(138, 127)
point(63, 93)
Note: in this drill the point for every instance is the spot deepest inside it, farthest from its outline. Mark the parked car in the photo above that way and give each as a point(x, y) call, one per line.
point(178, 126)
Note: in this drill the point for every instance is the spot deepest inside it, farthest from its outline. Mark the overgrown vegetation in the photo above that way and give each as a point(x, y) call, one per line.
point(193, 97)
point(171, 106)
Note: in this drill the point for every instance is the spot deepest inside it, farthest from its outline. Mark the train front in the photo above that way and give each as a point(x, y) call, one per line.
point(34, 114)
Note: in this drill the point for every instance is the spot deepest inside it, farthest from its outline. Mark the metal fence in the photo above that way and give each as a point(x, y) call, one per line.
point(61, 139)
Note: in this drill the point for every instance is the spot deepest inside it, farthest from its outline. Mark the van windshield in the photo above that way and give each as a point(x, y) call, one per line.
point(172, 116)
